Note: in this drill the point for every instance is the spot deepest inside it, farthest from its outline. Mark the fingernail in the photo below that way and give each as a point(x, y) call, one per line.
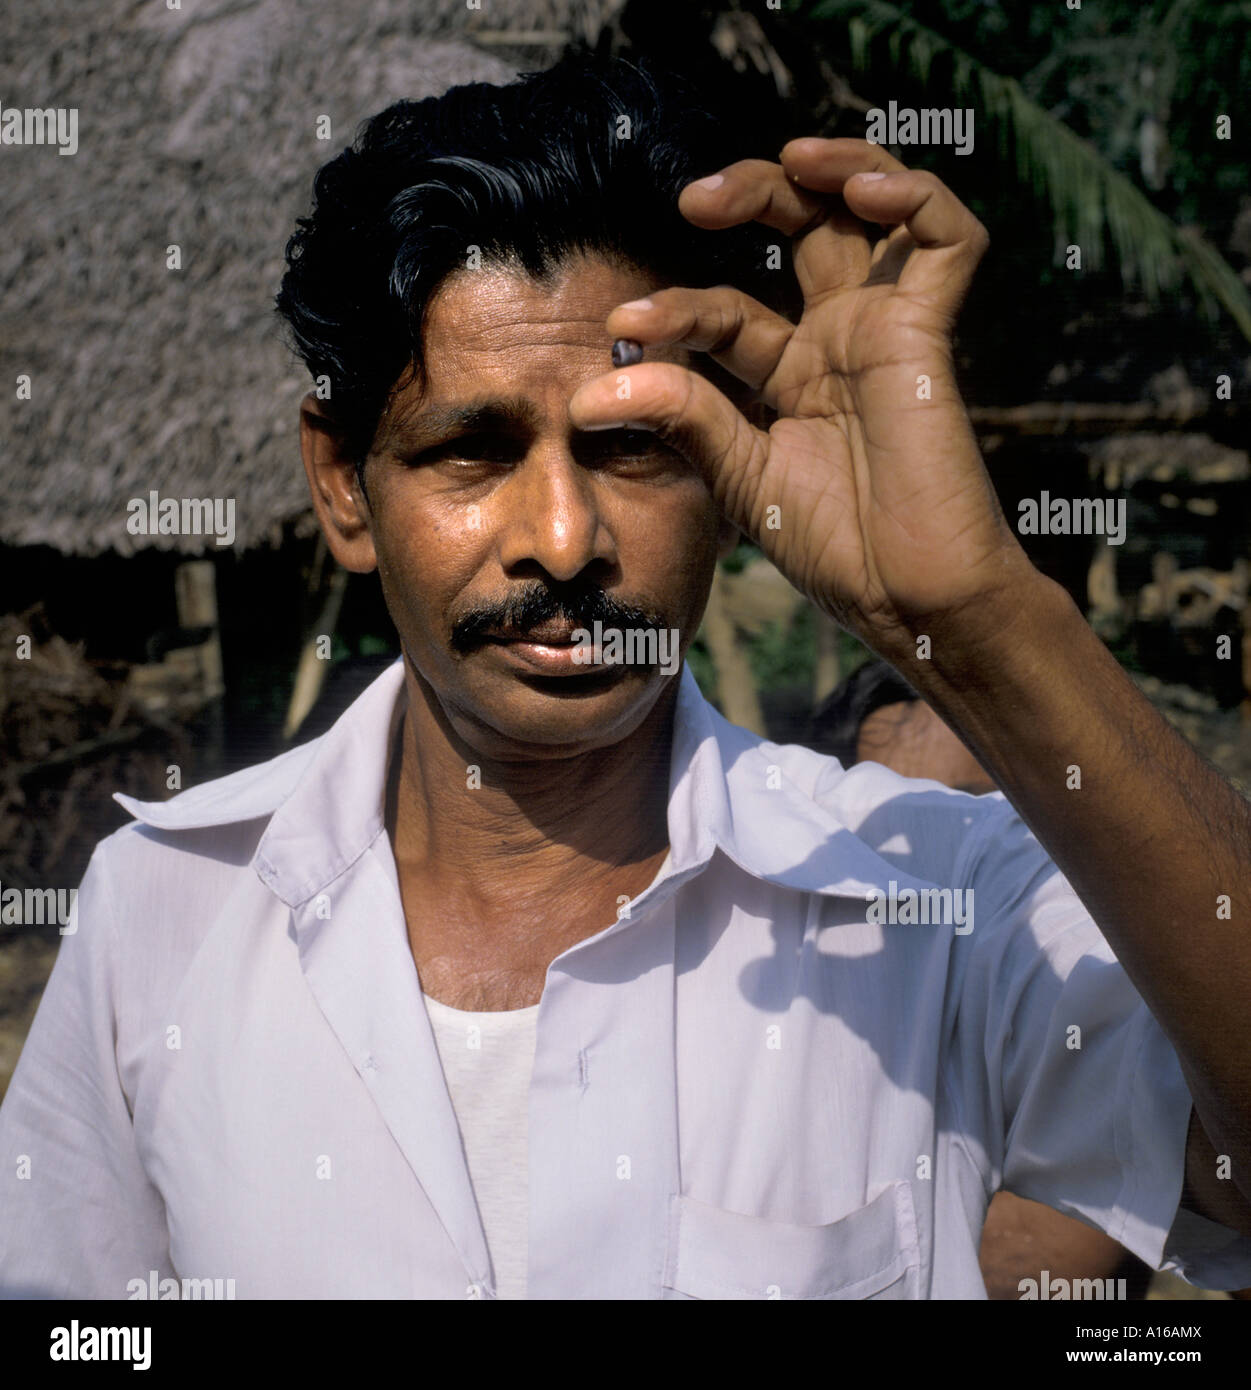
point(712, 181)
point(638, 304)
point(866, 178)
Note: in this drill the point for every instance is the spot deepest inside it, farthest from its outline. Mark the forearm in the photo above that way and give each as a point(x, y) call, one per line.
point(1153, 840)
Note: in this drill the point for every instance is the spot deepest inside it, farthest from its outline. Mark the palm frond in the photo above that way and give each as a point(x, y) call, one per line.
point(1087, 195)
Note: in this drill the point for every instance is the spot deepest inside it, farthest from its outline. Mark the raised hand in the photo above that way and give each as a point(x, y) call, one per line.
point(868, 491)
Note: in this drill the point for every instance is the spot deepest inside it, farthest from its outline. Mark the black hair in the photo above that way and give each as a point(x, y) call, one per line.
point(835, 726)
point(587, 156)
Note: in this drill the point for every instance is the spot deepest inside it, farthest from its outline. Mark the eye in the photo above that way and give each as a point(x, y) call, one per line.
point(469, 449)
point(631, 454)
point(634, 442)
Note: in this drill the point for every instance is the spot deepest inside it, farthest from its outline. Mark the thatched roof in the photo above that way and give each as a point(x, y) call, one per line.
point(197, 126)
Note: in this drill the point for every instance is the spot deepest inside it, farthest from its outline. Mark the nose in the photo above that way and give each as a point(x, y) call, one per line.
point(553, 517)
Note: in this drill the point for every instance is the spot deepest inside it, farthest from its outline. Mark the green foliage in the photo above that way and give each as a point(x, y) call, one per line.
point(742, 554)
point(852, 654)
point(1085, 102)
point(784, 653)
point(261, 691)
point(702, 669)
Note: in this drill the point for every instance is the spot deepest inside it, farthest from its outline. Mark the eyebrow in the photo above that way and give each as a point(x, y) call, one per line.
point(488, 413)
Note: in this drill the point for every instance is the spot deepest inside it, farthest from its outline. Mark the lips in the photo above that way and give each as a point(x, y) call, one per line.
point(547, 634)
point(549, 650)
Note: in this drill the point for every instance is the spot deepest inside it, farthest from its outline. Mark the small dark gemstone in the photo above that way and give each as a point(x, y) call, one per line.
point(626, 352)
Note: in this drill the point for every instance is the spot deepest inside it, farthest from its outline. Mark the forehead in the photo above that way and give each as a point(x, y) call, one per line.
point(499, 308)
point(496, 333)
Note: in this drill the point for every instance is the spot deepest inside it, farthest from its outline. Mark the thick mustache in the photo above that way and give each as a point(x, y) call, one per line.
point(531, 608)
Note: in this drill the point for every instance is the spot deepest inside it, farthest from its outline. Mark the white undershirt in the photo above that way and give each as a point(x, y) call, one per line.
point(487, 1060)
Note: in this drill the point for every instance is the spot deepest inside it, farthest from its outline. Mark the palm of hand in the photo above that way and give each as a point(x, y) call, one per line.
point(879, 516)
point(868, 490)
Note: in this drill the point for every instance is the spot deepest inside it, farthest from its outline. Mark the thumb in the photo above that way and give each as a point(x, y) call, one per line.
point(687, 413)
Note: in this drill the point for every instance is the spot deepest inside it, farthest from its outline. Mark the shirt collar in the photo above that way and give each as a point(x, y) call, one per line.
point(729, 789)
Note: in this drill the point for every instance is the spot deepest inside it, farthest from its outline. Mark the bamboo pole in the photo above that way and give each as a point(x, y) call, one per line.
point(736, 686)
point(310, 673)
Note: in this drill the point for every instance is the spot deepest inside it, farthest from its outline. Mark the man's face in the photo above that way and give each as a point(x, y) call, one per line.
point(470, 516)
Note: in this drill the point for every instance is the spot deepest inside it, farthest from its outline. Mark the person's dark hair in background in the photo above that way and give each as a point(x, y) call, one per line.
point(835, 726)
point(876, 716)
point(486, 174)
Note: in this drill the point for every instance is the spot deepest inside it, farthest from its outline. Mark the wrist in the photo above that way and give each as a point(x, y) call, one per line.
point(1016, 625)
point(999, 649)
point(987, 632)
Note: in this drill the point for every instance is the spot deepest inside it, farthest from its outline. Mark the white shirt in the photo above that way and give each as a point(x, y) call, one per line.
point(487, 1061)
point(743, 1088)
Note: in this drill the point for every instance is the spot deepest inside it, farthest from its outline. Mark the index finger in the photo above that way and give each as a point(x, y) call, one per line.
point(831, 246)
point(825, 165)
point(751, 190)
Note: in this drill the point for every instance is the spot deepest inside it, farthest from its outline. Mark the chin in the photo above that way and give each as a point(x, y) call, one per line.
point(524, 715)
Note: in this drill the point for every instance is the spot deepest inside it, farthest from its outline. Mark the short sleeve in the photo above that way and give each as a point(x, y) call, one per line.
point(1083, 1105)
point(78, 1216)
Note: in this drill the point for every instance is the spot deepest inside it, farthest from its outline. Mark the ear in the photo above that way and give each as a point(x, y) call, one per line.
point(341, 507)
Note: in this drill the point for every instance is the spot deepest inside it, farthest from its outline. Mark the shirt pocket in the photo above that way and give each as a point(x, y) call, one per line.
point(871, 1252)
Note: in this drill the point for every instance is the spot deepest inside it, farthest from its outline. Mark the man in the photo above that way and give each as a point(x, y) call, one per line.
point(534, 977)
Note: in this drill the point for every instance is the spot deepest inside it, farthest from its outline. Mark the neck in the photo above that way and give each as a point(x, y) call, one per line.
point(535, 832)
